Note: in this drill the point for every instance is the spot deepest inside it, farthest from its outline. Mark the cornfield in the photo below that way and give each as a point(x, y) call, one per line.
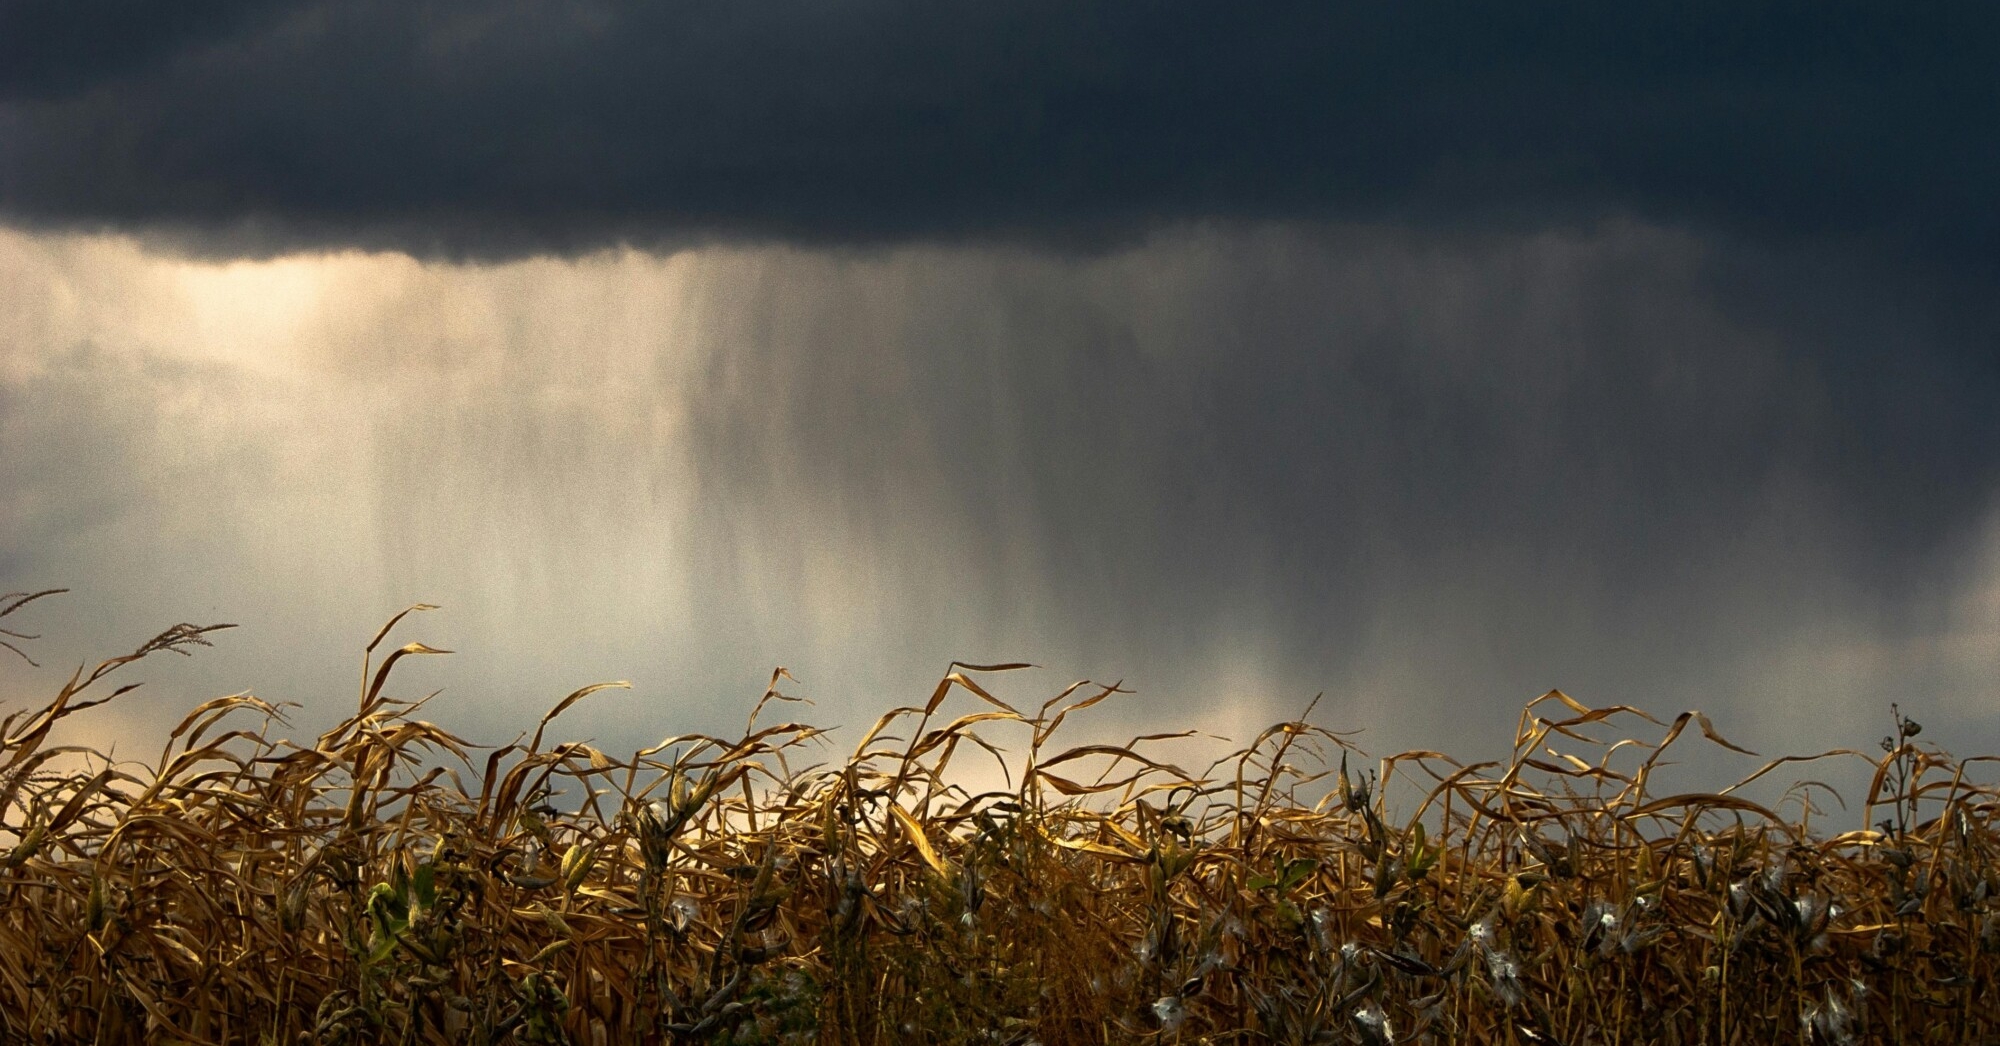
point(390, 883)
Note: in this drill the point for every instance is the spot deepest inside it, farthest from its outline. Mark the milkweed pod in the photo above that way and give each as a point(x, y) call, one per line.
point(576, 865)
point(95, 909)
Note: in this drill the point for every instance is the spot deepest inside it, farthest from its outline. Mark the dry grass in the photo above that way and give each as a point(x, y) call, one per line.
point(387, 883)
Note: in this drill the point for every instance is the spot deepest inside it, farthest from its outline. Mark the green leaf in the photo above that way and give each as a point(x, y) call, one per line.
point(424, 888)
point(384, 944)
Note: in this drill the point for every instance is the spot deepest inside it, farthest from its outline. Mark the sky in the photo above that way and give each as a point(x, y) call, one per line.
point(1425, 355)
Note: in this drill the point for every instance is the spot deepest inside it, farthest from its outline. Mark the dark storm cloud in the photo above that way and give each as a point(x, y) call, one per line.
point(482, 129)
point(49, 48)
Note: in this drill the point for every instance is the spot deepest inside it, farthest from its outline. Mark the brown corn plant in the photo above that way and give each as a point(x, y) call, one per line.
point(390, 883)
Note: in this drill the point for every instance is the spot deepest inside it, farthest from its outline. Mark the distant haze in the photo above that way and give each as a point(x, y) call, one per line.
point(1233, 467)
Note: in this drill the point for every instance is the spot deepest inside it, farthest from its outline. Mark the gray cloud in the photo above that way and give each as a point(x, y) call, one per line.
point(50, 48)
point(455, 128)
